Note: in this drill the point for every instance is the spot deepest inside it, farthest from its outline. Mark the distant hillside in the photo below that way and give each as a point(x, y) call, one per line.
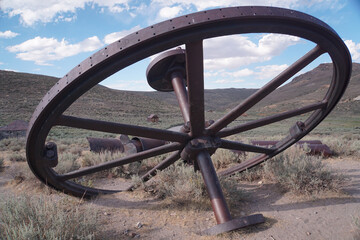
point(312, 86)
point(215, 99)
point(20, 93)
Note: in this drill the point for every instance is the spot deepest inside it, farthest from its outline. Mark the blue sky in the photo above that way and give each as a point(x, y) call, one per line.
point(51, 37)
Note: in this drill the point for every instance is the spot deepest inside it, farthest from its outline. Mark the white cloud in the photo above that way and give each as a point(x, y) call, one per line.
point(112, 37)
point(234, 51)
point(32, 11)
point(354, 49)
point(270, 71)
point(204, 4)
point(240, 73)
point(228, 81)
point(170, 12)
point(8, 34)
point(43, 50)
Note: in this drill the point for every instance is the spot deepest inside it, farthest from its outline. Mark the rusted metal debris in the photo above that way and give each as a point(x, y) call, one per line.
point(315, 147)
point(105, 144)
point(153, 118)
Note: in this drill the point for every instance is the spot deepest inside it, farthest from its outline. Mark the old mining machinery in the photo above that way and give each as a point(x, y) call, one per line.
point(182, 71)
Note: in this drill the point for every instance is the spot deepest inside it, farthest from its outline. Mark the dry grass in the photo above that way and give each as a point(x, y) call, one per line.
point(1, 163)
point(357, 228)
point(182, 184)
point(25, 217)
point(344, 145)
point(300, 173)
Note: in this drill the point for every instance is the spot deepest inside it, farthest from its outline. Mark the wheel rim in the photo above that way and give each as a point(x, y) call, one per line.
point(190, 30)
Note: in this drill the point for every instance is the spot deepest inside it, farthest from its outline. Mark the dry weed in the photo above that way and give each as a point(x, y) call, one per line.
point(24, 217)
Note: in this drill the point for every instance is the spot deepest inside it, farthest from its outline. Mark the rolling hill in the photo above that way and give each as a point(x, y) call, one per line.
point(21, 92)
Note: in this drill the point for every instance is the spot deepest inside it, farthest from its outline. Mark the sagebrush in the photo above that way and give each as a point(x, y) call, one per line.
point(25, 217)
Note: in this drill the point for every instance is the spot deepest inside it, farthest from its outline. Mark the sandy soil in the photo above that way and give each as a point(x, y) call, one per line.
point(329, 216)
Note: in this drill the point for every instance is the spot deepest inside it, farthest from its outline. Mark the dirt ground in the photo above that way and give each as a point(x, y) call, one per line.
point(329, 216)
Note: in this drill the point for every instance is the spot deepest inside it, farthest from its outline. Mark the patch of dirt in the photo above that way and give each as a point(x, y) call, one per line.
point(130, 215)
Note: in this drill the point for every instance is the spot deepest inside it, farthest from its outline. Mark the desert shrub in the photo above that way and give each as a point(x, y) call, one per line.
point(16, 148)
point(357, 228)
point(346, 145)
point(90, 159)
point(1, 163)
point(67, 163)
point(13, 144)
point(4, 143)
point(181, 183)
point(223, 158)
point(17, 157)
point(178, 181)
point(76, 150)
point(26, 217)
point(300, 173)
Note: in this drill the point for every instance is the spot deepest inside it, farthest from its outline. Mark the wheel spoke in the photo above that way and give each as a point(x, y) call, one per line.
point(270, 119)
point(161, 166)
point(195, 81)
point(125, 160)
point(119, 128)
point(244, 165)
point(266, 90)
point(244, 147)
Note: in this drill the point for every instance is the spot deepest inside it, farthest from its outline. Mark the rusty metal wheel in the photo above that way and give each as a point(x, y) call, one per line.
point(199, 141)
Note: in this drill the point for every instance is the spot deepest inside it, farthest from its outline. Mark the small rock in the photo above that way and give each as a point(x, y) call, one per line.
point(126, 232)
point(139, 225)
point(135, 235)
point(316, 212)
point(308, 233)
point(260, 182)
point(207, 219)
point(106, 214)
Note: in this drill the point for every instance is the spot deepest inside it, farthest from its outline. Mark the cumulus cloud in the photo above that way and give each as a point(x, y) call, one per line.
point(204, 4)
point(112, 37)
point(32, 11)
point(354, 49)
point(169, 12)
point(44, 50)
point(234, 51)
point(8, 34)
point(228, 81)
point(269, 71)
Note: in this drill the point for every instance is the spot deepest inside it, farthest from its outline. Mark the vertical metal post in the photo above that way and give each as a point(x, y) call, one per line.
point(220, 208)
point(178, 83)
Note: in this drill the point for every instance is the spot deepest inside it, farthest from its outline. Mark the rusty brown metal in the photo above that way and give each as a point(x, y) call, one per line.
point(105, 144)
point(315, 147)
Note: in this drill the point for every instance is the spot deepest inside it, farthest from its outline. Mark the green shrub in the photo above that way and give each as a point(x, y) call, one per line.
point(17, 157)
point(1, 163)
point(357, 228)
point(222, 158)
point(178, 181)
point(181, 183)
point(300, 173)
point(67, 163)
point(26, 217)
